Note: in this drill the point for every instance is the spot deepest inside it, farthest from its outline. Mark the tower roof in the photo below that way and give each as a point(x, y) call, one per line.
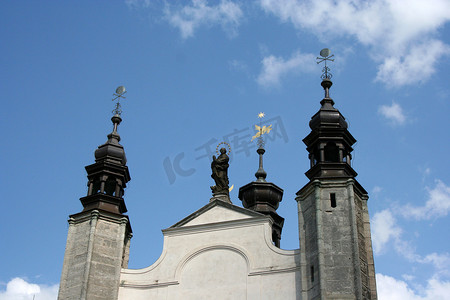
point(329, 143)
point(108, 176)
point(112, 151)
point(327, 116)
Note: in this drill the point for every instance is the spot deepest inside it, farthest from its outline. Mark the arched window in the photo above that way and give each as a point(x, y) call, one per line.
point(110, 186)
point(96, 187)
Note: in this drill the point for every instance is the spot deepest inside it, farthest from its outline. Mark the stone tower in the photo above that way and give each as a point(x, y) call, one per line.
point(98, 239)
point(335, 243)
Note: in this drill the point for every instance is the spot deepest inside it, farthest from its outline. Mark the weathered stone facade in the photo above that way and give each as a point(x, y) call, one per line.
point(336, 245)
point(97, 249)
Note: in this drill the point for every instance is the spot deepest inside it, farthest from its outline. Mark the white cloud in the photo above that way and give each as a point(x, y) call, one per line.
point(389, 288)
point(376, 190)
point(238, 65)
point(416, 66)
point(273, 68)
point(393, 113)
point(19, 289)
point(437, 205)
point(401, 40)
point(188, 18)
point(440, 261)
point(137, 3)
point(384, 229)
point(408, 277)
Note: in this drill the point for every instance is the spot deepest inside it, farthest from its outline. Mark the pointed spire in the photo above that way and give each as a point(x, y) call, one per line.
point(108, 176)
point(260, 195)
point(111, 150)
point(329, 143)
point(261, 174)
point(327, 116)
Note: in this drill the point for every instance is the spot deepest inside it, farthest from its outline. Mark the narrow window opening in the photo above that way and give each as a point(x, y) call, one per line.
point(96, 187)
point(333, 199)
point(312, 273)
point(110, 186)
point(316, 156)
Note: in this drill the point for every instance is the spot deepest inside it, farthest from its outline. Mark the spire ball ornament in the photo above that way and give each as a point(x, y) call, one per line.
point(119, 94)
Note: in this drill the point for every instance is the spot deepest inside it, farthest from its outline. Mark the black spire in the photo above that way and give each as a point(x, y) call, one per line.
point(261, 174)
point(108, 176)
point(329, 143)
point(262, 196)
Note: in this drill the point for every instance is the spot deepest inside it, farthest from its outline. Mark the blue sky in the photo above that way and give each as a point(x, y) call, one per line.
point(198, 73)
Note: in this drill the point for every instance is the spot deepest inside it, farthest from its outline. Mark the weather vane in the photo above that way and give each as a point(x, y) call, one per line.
point(261, 130)
point(325, 56)
point(119, 94)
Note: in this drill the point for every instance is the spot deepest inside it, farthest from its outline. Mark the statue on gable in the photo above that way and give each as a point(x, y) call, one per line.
point(219, 167)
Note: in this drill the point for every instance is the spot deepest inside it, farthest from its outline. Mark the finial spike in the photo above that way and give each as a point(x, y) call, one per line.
point(261, 174)
point(261, 130)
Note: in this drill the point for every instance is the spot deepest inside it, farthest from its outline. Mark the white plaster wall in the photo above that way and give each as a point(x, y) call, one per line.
point(225, 268)
point(230, 259)
point(218, 214)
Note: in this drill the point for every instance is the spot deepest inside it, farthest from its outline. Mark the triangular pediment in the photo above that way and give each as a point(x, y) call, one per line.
point(216, 212)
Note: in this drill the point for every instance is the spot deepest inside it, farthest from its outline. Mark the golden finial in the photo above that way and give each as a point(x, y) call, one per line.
point(261, 130)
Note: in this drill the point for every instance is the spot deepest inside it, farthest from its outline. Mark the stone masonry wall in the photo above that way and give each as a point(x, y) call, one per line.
point(336, 250)
point(338, 267)
point(75, 257)
point(362, 248)
point(308, 248)
point(93, 258)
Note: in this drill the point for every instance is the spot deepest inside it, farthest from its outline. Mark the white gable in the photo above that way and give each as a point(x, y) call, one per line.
point(220, 252)
point(215, 215)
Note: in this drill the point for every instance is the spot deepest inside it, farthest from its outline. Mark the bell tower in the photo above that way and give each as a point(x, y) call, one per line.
point(334, 229)
point(99, 236)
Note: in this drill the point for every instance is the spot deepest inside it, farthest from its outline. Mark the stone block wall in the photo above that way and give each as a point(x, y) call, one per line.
point(335, 241)
point(96, 248)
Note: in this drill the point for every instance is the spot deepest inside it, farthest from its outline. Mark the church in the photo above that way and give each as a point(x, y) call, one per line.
point(225, 251)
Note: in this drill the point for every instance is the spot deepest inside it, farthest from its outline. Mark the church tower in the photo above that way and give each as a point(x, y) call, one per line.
point(335, 243)
point(98, 239)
